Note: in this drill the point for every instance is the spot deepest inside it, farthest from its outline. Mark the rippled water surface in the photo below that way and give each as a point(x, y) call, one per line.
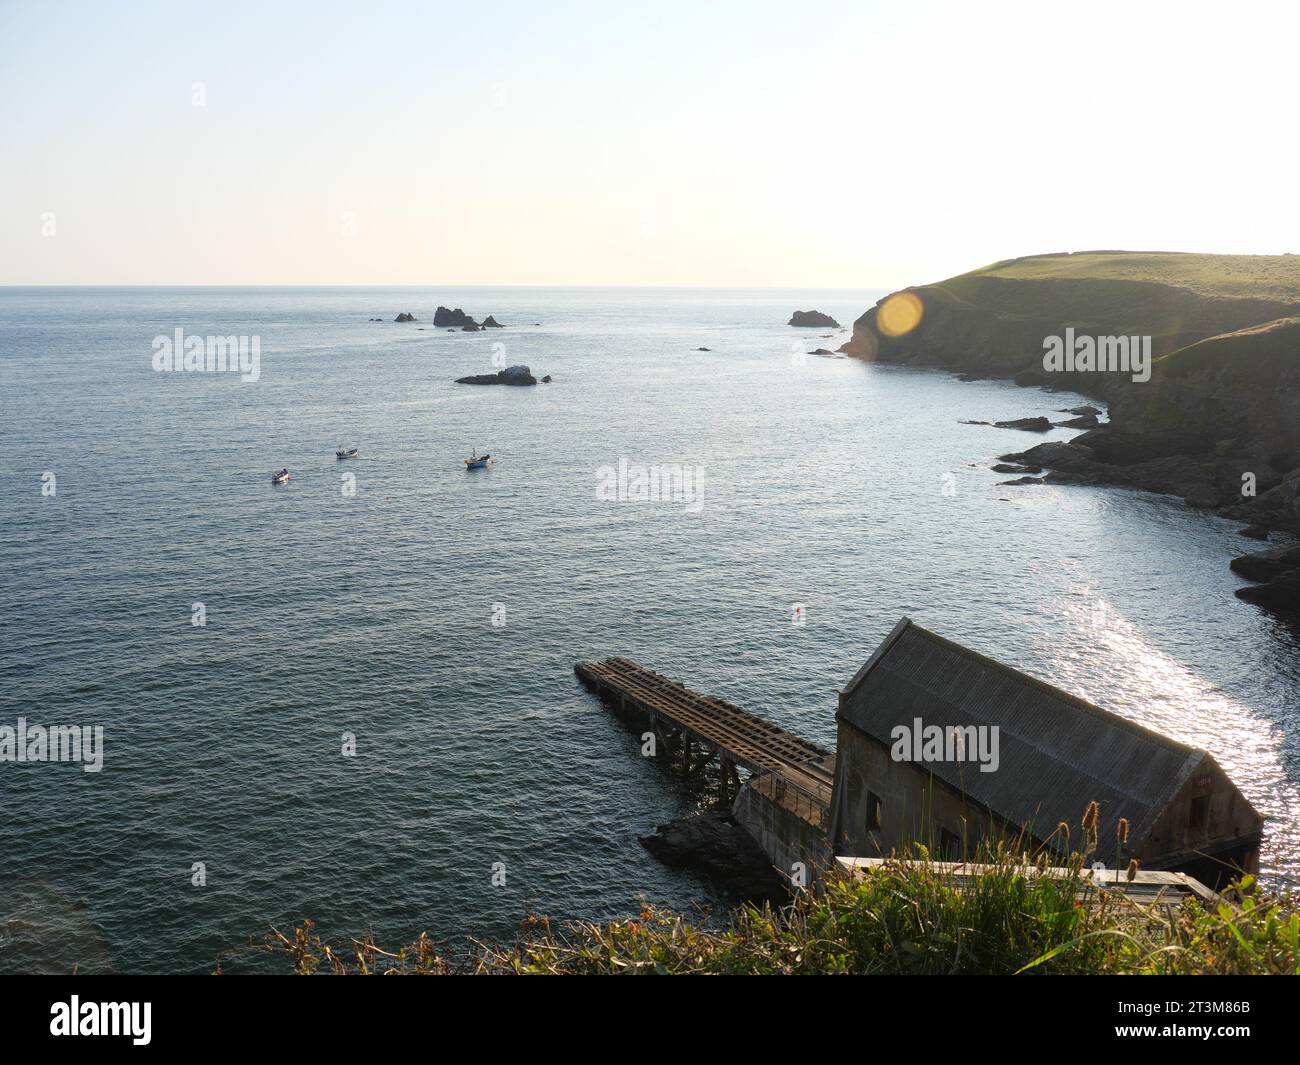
point(851, 489)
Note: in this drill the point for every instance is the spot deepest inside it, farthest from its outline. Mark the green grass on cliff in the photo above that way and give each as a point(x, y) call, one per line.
point(1264, 352)
point(907, 918)
point(1271, 277)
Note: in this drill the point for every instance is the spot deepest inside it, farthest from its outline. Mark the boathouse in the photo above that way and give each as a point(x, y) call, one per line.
point(940, 744)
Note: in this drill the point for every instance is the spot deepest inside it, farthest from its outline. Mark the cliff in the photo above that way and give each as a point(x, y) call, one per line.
point(1218, 420)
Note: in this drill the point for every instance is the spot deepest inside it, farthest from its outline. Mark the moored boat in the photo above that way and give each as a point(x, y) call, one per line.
point(475, 462)
point(280, 477)
point(350, 453)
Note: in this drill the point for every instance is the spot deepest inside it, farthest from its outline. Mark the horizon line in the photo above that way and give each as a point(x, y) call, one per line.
point(404, 284)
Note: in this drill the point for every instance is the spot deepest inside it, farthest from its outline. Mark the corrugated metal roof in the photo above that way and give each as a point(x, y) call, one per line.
point(1057, 752)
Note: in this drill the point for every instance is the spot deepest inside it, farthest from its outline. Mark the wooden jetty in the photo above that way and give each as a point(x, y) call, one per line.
point(788, 770)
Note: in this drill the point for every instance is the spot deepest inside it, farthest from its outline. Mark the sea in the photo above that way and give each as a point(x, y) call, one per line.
point(350, 699)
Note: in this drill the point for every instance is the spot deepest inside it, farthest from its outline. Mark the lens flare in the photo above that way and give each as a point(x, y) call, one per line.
point(900, 314)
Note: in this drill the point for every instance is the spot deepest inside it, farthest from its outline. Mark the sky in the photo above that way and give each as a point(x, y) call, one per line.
point(857, 145)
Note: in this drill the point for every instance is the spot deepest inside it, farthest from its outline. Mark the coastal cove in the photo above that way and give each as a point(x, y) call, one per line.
point(840, 492)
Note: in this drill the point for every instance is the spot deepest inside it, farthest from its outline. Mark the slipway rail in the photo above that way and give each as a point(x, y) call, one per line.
point(801, 772)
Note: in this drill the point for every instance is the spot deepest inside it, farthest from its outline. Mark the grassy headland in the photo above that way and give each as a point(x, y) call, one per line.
point(1218, 420)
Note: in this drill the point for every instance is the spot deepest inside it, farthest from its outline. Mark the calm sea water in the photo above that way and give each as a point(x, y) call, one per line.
point(850, 489)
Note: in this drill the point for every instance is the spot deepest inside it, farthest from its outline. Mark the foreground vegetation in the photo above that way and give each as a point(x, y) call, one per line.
point(908, 918)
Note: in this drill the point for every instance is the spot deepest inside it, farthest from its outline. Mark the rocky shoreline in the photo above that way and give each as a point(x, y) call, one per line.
point(714, 844)
point(1218, 422)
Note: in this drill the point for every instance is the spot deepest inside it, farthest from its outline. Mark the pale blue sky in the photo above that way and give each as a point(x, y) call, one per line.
point(820, 144)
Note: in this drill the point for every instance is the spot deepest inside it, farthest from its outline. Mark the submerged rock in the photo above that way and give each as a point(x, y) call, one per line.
point(813, 318)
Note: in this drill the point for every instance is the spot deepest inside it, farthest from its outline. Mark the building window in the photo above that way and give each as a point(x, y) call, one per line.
point(873, 811)
point(949, 846)
point(1200, 813)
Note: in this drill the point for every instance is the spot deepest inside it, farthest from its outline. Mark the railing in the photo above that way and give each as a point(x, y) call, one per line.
point(798, 800)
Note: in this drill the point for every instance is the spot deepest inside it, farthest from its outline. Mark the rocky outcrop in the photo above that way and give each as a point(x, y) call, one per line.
point(1281, 594)
point(491, 323)
point(1267, 565)
point(406, 317)
point(813, 318)
point(511, 375)
point(444, 316)
point(715, 845)
point(1278, 572)
point(1032, 425)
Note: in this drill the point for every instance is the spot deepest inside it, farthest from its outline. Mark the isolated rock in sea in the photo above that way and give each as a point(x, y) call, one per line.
point(511, 375)
point(445, 316)
point(703, 349)
point(1032, 425)
point(406, 317)
point(546, 380)
point(491, 323)
point(813, 318)
point(1085, 409)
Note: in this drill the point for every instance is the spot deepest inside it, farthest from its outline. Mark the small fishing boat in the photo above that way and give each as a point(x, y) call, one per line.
point(350, 453)
point(280, 477)
point(477, 463)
